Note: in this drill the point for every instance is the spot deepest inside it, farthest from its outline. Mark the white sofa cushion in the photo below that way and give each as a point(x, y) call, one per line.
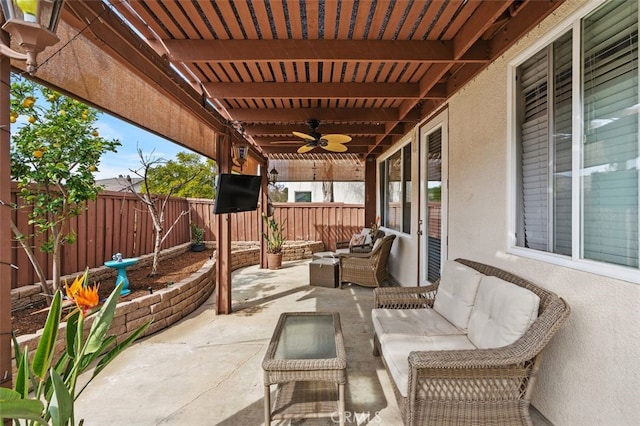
point(395, 349)
point(501, 314)
point(457, 293)
point(418, 322)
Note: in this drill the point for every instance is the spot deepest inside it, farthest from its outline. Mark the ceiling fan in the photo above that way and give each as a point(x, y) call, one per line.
point(313, 139)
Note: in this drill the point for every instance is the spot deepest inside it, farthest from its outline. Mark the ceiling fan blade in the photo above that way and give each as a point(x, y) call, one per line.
point(304, 136)
point(336, 138)
point(306, 148)
point(334, 147)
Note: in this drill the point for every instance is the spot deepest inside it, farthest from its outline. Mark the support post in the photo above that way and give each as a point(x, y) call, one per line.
point(263, 210)
point(370, 172)
point(223, 234)
point(5, 218)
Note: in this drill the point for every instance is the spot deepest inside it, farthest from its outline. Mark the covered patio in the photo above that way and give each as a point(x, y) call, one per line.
point(207, 368)
point(434, 95)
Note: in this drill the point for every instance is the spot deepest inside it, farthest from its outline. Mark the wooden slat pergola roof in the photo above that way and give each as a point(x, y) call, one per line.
point(367, 68)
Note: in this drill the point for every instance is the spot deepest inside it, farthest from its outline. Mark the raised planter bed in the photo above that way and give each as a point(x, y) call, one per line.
point(167, 306)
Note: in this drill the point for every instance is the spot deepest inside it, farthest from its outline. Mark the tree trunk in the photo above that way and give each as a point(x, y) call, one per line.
point(156, 253)
point(34, 262)
point(327, 192)
point(56, 266)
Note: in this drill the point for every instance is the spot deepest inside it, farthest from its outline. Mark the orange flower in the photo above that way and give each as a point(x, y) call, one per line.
point(85, 298)
point(75, 286)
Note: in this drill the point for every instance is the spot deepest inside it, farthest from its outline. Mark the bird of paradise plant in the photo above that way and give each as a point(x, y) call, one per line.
point(53, 384)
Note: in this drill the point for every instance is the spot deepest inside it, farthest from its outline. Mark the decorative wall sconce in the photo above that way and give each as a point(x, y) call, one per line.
point(240, 152)
point(273, 176)
point(32, 24)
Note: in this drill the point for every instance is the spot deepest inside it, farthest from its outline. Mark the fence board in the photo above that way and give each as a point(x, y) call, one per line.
point(119, 222)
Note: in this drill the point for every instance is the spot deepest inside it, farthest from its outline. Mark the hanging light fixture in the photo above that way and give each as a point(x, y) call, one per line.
point(32, 24)
point(273, 176)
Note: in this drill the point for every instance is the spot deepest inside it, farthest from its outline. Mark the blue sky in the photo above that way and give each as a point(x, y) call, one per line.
point(131, 137)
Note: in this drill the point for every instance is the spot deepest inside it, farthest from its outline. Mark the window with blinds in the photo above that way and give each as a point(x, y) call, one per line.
point(607, 145)
point(434, 204)
point(610, 143)
point(395, 178)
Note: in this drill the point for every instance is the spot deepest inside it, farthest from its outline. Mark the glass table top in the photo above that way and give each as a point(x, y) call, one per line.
point(307, 337)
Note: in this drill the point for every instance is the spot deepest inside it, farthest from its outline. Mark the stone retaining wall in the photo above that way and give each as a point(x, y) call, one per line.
point(167, 306)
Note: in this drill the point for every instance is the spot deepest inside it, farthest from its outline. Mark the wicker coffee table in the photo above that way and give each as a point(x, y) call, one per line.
point(306, 359)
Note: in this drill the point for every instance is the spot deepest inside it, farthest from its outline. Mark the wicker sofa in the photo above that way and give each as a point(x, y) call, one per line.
point(365, 247)
point(466, 349)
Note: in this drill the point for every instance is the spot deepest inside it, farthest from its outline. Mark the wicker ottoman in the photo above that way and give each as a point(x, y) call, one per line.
point(324, 272)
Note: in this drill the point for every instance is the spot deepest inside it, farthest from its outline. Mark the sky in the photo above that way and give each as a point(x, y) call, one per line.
point(131, 137)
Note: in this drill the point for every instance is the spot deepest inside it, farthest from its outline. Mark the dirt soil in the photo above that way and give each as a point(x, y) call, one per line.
point(29, 320)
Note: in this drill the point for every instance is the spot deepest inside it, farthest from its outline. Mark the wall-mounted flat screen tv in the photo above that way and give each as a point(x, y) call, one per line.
point(236, 193)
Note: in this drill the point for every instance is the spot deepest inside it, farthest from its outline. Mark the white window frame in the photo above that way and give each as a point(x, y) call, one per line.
point(574, 261)
point(295, 196)
point(383, 184)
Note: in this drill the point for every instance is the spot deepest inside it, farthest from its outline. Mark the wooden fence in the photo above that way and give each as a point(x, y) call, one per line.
point(326, 222)
point(119, 223)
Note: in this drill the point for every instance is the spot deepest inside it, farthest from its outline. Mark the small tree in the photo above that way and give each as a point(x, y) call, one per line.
point(278, 193)
point(54, 156)
point(157, 204)
point(167, 176)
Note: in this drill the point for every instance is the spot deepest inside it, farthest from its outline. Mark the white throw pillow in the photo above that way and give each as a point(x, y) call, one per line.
point(502, 313)
point(457, 293)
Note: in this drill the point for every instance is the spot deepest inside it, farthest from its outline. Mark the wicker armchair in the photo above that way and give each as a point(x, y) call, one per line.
point(482, 386)
point(360, 248)
point(367, 269)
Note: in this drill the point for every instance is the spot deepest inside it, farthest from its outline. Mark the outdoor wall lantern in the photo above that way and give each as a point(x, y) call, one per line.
point(241, 151)
point(273, 176)
point(32, 24)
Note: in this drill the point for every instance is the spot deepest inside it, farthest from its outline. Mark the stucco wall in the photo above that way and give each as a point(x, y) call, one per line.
point(343, 192)
point(589, 374)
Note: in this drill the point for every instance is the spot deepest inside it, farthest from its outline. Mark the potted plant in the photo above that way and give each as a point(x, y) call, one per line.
point(197, 237)
point(273, 236)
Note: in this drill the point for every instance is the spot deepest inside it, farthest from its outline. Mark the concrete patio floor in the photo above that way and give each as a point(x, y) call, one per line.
point(206, 370)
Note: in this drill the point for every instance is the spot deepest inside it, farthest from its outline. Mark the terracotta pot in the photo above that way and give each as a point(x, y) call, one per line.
point(274, 260)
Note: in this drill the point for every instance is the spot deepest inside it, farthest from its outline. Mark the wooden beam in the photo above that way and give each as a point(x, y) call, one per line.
point(109, 37)
point(301, 115)
point(482, 18)
point(322, 90)
point(479, 22)
point(291, 149)
point(525, 18)
point(286, 50)
point(287, 129)
point(266, 140)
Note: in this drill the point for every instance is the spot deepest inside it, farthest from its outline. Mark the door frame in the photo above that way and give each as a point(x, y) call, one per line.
point(440, 120)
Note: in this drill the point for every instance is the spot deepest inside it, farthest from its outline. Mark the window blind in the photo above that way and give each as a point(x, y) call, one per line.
point(562, 144)
point(610, 142)
point(434, 219)
point(534, 141)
